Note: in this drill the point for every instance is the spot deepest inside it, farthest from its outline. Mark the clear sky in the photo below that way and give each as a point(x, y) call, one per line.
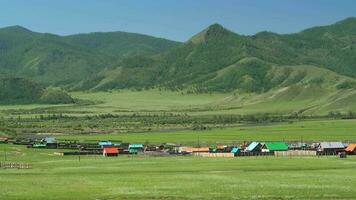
point(172, 19)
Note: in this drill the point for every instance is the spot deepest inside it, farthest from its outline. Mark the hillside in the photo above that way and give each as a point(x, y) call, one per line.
point(313, 69)
point(217, 59)
point(25, 91)
point(57, 60)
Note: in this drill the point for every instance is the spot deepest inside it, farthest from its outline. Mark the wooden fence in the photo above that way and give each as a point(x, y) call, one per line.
point(295, 153)
point(13, 165)
point(215, 155)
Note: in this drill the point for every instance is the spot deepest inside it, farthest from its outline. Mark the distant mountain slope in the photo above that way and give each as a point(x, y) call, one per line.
point(217, 59)
point(56, 60)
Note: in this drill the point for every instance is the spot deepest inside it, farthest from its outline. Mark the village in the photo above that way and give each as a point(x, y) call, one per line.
point(253, 148)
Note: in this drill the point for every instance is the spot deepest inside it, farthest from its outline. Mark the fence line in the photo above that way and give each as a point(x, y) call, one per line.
point(13, 165)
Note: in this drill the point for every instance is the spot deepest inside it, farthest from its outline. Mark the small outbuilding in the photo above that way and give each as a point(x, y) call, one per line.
point(331, 148)
point(351, 149)
point(135, 148)
point(110, 151)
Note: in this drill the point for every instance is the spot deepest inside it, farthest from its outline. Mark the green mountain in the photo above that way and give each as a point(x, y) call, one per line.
point(314, 64)
point(217, 59)
point(64, 61)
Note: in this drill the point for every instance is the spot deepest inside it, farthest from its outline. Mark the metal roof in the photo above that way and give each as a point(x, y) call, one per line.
point(252, 146)
point(331, 145)
point(105, 143)
point(234, 150)
point(135, 146)
point(351, 147)
point(111, 150)
point(277, 146)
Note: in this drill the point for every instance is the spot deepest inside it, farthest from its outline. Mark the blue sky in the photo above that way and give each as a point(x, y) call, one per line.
point(172, 19)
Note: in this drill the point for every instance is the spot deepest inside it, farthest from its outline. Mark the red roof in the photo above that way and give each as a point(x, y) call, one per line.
point(351, 148)
point(4, 138)
point(111, 150)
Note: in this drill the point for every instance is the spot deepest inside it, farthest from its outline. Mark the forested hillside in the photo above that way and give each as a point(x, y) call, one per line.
point(215, 59)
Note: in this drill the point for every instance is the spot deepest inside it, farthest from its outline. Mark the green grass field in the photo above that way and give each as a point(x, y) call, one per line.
point(96, 177)
point(99, 178)
point(155, 101)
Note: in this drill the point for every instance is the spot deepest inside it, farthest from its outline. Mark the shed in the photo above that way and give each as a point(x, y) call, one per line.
point(135, 148)
point(331, 147)
point(110, 151)
point(351, 149)
point(275, 146)
point(254, 147)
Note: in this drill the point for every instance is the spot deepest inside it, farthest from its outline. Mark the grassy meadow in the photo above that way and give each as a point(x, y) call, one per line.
point(96, 177)
point(315, 130)
point(175, 177)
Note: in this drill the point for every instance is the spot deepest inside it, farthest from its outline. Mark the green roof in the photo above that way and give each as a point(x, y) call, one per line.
point(277, 146)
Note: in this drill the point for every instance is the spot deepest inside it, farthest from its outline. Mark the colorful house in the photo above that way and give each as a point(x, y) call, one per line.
point(110, 151)
point(274, 146)
point(351, 149)
point(135, 148)
point(254, 147)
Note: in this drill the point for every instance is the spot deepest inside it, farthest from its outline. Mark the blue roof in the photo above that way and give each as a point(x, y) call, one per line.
point(105, 143)
point(50, 140)
point(252, 146)
point(135, 146)
point(234, 150)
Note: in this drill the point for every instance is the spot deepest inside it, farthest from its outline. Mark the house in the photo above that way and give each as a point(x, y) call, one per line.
point(135, 148)
point(254, 147)
point(50, 142)
point(110, 151)
point(274, 146)
point(351, 149)
point(105, 143)
point(4, 140)
point(331, 148)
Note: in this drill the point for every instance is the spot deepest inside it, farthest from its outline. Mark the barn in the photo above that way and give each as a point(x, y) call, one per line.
point(110, 151)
